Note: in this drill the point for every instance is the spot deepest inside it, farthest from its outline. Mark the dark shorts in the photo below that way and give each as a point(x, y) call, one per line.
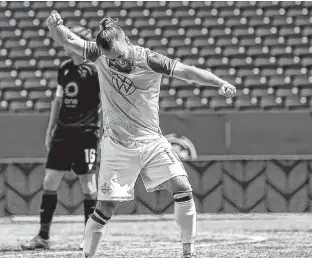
point(73, 150)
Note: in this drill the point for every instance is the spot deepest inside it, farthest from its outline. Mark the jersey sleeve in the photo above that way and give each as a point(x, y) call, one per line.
point(160, 63)
point(91, 51)
point(59, 91)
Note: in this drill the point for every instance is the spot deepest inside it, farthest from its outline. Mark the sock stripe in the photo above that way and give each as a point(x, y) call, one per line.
point(101, 215)
point(183, 199)
point(96, 219)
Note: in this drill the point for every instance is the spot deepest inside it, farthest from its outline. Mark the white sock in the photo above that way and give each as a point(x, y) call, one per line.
point(185, 214)
point(95, 228)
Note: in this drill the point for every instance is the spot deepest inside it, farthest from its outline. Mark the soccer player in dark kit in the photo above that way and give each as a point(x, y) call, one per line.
point(71, 137)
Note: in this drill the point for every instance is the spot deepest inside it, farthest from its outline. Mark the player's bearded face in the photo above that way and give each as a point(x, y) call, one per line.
point(122, 55)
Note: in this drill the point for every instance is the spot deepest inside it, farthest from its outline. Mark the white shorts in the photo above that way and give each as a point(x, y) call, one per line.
point(122, 163)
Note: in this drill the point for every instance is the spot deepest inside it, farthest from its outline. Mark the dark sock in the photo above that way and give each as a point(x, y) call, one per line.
point(47, 208)
point(89, 206)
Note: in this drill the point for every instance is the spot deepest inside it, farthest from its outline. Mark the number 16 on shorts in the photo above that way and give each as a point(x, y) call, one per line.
point(90, 157)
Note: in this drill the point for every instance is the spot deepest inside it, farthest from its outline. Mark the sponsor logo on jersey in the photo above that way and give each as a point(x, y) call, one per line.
point(71, 91)
point(123, 84)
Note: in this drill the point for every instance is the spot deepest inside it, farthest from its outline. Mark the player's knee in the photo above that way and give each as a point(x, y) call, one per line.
point(180, 184)
point(52, 180)
point(183, 196)
point(107, 207)
point(88, 185)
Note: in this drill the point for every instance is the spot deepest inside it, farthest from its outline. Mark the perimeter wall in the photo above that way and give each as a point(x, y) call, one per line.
point(248, 162)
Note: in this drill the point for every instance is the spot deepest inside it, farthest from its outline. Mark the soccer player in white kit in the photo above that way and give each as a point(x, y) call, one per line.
point(130, 78)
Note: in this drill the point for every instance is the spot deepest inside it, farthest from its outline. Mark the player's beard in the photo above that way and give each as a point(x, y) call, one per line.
point(124, 65)
point(129, 61)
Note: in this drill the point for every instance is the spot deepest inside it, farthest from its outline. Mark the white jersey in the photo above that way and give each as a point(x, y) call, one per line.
point(130, 93)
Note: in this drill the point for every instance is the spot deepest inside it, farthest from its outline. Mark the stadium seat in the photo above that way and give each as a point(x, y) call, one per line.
point(13, 95)
point(255, 51)
point(11, 43)
point(42, 106)
point(259, 92)
point(246, 103)
point(50, 74)
point(19, 54)
point(171, 104)
point(277, 80)
point(10, 84)
point(209, 93)
point(295, 102)
point(43, 15)
point(301, 20)
point(306, 92)
point(186, 93)
point(46, 64)
point(221, 103)
point(23, 65)
point(263, 31)
point(302, 51)
point(87, 6)
point(36, 44)
point(33, 83)
point(39, 94)
point(196, 103)
point(271, 103)
point(253, 81)
point(164, 93)
point(17, 6)
point(288, 92)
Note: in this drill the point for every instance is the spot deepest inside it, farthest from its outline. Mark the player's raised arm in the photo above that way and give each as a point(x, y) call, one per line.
point(164, 65)
point(67, 38)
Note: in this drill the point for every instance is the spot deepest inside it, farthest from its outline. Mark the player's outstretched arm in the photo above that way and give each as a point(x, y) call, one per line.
point(64, 35)
point(164, 65)
point(203, 77)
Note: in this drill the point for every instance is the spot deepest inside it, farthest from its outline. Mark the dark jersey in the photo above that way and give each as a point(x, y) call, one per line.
point(79, 87)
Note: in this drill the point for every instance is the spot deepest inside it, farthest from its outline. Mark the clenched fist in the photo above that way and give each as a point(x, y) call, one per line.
point(228, 90)
point(54, 19)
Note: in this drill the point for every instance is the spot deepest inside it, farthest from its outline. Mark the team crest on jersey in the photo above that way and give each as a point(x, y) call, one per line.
point(106, 188)
point(123, 84)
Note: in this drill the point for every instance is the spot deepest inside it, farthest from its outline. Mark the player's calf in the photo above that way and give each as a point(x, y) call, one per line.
point(185, 212)
point(88, 185)
point(96, 226)
point(51, 183)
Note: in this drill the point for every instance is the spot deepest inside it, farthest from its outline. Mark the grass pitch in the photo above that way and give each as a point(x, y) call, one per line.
point(221, 235)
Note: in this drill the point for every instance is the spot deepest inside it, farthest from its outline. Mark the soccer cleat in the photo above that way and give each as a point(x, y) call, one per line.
point(188, 251)
point(36, 243)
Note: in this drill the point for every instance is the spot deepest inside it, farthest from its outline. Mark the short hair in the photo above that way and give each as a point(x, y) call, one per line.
point(82, 32)
point(109, 32)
